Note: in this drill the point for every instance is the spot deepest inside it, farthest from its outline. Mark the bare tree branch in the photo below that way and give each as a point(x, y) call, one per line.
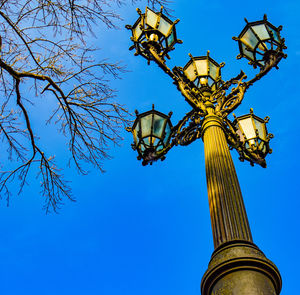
point(45, 48)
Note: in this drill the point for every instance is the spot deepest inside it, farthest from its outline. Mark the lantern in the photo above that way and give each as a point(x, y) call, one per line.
point(203, 71)
point(151, 133)
point(260, 42)
point(153, 28)
point(252, 133)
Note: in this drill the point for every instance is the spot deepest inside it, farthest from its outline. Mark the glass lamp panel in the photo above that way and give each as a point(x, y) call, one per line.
point(247, 52)
point(240, 134)
point(190, 72)
point(201, 66)
point(167, 133)
point(275, 34)
point(247, 127)
point(261, 128)
point(146, 123)
point(159, 148)
point(151, 18)
point(137, 32)
point(149, 141)
point(210, 81)
point(213, 70)
point(261, 31)
point(146, 141)
point(249, 39)
point(142, 147)
point(164, 27)
point(158, 125)
point(171, 39)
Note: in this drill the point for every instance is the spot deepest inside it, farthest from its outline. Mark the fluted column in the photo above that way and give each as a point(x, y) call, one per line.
point(228, 216)
point(237, 266)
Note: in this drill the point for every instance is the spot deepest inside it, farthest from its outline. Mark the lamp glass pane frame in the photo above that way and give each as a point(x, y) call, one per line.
point(201, 67)
point(151, 18)
point(154, 141)
point(268, 39)
point(257, 141)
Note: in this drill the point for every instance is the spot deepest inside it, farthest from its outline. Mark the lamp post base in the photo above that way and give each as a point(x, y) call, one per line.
point(240, 268)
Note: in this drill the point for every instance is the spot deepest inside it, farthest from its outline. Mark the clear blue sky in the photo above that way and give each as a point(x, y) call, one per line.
point(146, 230)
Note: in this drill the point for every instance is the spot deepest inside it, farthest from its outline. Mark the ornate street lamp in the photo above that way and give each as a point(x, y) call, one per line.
point(237, 265)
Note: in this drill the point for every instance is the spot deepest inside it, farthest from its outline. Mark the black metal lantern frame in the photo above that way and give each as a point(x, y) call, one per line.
point(202, 86)
point(151, 131)
point(203, 71)
point(148, 32)
point(260, 42)
point(252, 136)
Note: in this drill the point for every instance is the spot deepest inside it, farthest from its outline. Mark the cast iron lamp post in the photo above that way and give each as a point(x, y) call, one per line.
point(237, 265)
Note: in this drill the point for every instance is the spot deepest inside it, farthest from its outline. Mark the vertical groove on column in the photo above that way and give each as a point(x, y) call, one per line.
point(213, 215)
point(238, 204)
point(228, 215)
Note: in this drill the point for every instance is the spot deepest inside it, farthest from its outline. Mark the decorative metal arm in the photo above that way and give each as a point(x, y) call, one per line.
point(272, 62)
point(226, 104)
point(176, 74)
point(187, 130)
